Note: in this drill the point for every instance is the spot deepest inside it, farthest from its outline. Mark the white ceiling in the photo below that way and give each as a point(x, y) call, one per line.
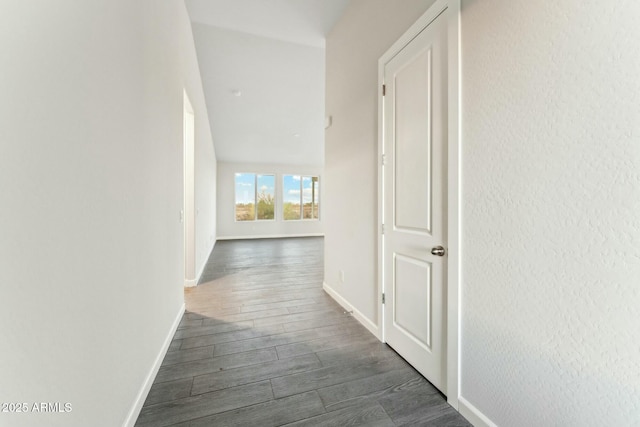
point(296, 21)
point(272, 52)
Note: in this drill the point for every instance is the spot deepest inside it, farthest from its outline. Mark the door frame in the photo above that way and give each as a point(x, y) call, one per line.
point(452, 321)
point(188, 193)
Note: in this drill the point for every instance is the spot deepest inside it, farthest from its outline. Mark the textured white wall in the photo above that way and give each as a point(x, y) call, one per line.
point(551, 212)
point(365, 31)
point(227, 225)
point(90, 193)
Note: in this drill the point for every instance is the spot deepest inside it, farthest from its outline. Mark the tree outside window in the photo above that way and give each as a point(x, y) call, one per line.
point(265, 197)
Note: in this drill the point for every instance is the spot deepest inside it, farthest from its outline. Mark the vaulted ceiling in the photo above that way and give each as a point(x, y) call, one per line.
point(262, 67)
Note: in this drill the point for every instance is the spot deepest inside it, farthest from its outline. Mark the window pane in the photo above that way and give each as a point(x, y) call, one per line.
point(291, 197)
point(310, 197)
point(266, 196)
point(316, 197)
point(245, 196)
point(306, 197)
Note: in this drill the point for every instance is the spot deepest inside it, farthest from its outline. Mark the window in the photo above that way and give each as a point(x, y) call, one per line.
point(255, 197)
point(300, 197)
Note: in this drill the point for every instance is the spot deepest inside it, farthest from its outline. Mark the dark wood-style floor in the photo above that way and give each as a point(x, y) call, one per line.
point(261, 344)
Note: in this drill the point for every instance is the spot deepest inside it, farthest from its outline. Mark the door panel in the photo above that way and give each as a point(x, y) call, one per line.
point(412, 299)
point(412, 187)
point(415, 131)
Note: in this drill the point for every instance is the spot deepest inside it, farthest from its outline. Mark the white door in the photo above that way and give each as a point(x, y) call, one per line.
point(415, 205)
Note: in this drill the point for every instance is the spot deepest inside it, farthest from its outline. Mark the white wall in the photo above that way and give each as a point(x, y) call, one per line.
point(91, 266)
point(228, 228)
point(205, 167)
point(366, 30)
point(551, 195)
point(551, 203)
point(206, 192)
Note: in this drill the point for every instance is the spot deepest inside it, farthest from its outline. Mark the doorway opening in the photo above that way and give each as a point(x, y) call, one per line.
point(189, 194)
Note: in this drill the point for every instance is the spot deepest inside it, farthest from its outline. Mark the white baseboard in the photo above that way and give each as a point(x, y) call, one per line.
point(366, 322)
point(473, 414)
point(270, 236)
point(190, 283)
point(148, 382)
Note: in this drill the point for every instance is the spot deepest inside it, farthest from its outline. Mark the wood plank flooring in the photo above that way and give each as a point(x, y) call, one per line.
point(261, 344)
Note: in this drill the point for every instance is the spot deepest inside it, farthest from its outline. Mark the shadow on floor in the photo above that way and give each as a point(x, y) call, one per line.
point(262, 345)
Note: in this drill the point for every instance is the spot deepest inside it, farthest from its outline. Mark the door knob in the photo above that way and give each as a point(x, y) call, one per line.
point(438, 251)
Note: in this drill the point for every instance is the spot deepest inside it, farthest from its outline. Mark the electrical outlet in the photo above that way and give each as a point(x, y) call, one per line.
point(341, 276)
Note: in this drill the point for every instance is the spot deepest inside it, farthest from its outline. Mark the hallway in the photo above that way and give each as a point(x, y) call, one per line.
point(261, 344)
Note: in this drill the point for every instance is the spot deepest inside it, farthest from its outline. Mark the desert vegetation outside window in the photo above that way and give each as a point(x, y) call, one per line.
point(255, 197)
point(300, 197)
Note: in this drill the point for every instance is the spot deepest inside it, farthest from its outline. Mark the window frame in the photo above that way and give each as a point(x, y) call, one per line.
point(317, 204)
point(255, 197)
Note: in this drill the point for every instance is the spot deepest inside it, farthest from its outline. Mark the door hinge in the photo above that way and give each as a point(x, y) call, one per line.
point(383, 160)
point(384, 90)
point(382, 229)
point(383, 298)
